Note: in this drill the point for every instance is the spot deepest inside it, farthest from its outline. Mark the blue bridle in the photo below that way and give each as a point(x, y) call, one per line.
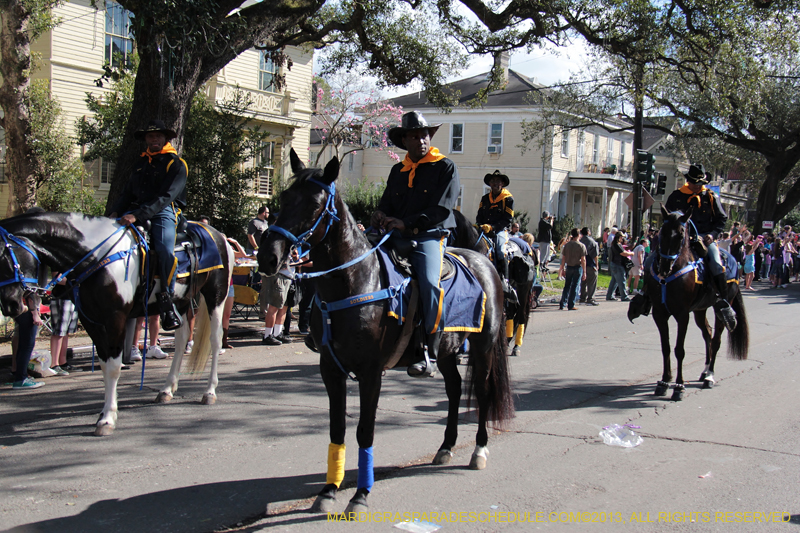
point(692, 265)
point(12, 242)
point(301, 240)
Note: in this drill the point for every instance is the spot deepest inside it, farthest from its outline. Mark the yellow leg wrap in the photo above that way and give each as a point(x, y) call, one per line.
point(520, 334)
point(335, 464)
point(509, 328)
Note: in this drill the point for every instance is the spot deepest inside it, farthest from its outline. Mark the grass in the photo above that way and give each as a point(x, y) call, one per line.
point(603, 280)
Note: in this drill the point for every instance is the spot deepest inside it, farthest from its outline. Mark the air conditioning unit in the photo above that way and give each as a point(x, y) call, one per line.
point(495, 149)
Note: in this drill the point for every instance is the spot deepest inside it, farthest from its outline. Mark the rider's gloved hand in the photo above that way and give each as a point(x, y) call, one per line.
point(486, 228)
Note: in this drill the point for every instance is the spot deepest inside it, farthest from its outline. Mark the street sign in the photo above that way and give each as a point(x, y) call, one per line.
point(647, 200)
point(768, 224)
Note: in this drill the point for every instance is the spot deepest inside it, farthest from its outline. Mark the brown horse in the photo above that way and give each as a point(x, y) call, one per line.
point(670, 282)
point(361, 340)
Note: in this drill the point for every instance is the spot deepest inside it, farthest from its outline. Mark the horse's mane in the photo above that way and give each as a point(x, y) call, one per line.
point(466, 236)
point(43, 223)
point(685, 254)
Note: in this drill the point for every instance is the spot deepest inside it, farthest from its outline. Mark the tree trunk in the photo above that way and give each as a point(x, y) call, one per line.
point(15, 65)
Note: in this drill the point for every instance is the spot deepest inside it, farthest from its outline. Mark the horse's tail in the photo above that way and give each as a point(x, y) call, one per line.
point(201, 350)
point(739, 338)
point(498, 382)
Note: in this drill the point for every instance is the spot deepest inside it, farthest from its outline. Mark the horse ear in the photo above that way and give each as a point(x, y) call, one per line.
point(297, 165)
point(664, 212)
point(686, 217)
point(331, 171)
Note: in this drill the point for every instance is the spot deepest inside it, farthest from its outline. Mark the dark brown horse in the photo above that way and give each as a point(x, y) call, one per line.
point(468, 236)
point(363, 340)
point(670, 283)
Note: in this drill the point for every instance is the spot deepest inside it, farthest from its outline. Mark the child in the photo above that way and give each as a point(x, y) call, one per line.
point(749, 265)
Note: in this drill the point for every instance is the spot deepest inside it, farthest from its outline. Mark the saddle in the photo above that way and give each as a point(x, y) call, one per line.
point(399, 250)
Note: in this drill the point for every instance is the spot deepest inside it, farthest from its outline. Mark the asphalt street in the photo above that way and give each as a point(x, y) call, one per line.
point(725, 459)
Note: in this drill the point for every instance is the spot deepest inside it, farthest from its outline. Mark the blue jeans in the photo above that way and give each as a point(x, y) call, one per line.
point(572, 282)
point(427, 260)
point(26, 332)
point(162, 241)
point(713, 259)
point(618, 280)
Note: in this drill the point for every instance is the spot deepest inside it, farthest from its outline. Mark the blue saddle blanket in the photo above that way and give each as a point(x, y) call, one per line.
point(728, 263)
point(208, 257)
point(464, 299)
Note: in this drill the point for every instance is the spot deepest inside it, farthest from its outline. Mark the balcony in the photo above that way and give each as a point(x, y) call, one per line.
point(266, 105)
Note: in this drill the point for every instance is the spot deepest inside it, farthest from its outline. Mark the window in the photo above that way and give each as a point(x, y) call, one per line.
point(350, 157)
point(622, 148)
point(2, 156)
point(596, 150)
point(457, 138)
point(266, 73)
point(265, 169)
point(119, 44)
point(564, 143)
point(495, 138)
point(106, 171)
point(610, 152)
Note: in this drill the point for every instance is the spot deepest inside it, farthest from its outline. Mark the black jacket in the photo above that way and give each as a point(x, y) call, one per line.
point(153, 186)
point(429, 203)
point(545, 233)
point(498, 214)
point(708, 215)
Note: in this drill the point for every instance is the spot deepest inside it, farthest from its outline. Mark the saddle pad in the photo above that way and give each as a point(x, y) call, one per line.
point(464, 299)
point(728, 263)
point(208, 257)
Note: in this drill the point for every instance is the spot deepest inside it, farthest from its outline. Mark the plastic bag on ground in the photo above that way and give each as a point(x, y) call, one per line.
point(616, 435)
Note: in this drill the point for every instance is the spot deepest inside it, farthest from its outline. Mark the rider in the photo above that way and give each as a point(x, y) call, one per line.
point(709, 217)
point(421, 194)
point(156, 191)
point(495, 214)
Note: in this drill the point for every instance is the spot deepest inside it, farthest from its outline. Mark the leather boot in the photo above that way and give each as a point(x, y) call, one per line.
point(427, 367)
point(170, 318)
point(722, 308)
point(225, 343)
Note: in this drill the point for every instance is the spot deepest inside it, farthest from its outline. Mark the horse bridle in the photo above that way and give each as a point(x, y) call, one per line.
point(10, 241)
point(329, 212)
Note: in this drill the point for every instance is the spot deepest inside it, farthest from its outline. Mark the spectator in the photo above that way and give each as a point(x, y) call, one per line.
point(63, 321)
point(277, 292)
point(544, 237)
point(589, 286)
point(749, 265)
point(572, 269)
point(616, 253)
point(23, 343)
point(256, 228)
point(638, 265)
point(735, 229)
point(515, 232)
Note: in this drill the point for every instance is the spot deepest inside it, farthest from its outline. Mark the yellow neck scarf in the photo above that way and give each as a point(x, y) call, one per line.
point(432, 156)
point(695, 195)
point(502, 196)
point(168, 149)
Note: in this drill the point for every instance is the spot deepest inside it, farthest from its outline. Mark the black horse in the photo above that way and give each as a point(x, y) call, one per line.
point(674, 291)
point(364, 340)
point(517, 315)
point(108, 290)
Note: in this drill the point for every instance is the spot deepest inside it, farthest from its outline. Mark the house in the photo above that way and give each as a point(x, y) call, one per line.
point(92, 33)
point(583, 173)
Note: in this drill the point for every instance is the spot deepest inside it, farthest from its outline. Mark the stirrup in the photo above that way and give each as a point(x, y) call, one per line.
point(423, 369)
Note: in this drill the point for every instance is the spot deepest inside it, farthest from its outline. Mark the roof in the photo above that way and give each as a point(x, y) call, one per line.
point(516, 93)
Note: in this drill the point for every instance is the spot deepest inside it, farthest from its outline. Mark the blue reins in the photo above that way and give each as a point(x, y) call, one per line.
point(692, 265)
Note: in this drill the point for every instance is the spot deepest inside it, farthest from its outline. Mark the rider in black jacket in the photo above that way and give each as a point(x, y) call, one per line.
point(495, 214)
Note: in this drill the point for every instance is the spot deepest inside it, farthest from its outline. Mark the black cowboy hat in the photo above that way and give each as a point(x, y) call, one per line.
point(155, 125)
point(411, 121)
point(697, 174)
point(496, 174)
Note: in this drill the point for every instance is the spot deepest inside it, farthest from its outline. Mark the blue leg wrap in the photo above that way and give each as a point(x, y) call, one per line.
point(366, 477)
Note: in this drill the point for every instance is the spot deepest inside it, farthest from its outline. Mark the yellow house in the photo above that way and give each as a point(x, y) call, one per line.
point(583, 173)
point(73, 53)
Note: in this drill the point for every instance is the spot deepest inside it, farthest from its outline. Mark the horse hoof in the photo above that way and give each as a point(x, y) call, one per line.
point(708, 384)
point(163, 397)
point(103, 430)
point(702, 377)
point(477, 462)
point(209, 399)
point(677, 395)
point(443, 457)
point(516, 351)
point(323, 504)
point(662, 388)
point(355, 508)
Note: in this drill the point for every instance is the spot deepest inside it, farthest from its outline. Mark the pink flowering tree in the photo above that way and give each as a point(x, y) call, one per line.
point(352, 116)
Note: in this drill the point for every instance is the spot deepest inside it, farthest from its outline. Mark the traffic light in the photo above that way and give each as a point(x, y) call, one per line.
point(645, 167)
point(661, 188)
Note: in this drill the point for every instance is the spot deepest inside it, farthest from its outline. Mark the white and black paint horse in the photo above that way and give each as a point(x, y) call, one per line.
point(103, 267)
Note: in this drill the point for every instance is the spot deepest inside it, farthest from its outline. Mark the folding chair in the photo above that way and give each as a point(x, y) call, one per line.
point(44, 313)
point(245, 302)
